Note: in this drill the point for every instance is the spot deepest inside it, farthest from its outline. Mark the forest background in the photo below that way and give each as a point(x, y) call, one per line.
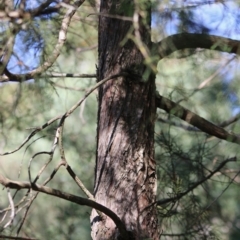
point(203, 81)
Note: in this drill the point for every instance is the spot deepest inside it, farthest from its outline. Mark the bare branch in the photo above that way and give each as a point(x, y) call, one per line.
point(66, 114)
point(5, 78)
point(16, 238)
point(37, 177)
point(55, 142)
point(195, 120)
point(63, 158)
point(192, 40)
point(35, 131)
point(19, 185)
point(54, 55)
point(69, 197)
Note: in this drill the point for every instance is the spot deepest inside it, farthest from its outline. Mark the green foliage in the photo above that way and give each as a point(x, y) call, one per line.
point(204, 82)
point(185, 155)
point(31, 104)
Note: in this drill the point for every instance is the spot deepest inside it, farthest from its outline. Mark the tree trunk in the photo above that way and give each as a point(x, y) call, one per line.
point(125, 176)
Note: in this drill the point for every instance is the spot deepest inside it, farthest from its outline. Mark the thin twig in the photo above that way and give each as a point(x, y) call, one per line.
point(195, 185)
point(67, 114)
point(69, 197)
point(224, 190)
point(56, 142)
point(20, 168)
point(35, 196)
point(29, 164)
point(67, 88)
point(68, 167)
point(62, 36)
point(230, 121)
point(51, 153)
point(209, 79)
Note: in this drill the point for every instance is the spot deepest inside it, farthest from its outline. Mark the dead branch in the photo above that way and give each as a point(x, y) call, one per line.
point(5, 78)
point(195, 120)
point(69, 197)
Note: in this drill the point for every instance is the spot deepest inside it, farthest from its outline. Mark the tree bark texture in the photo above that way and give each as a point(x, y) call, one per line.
point(125, 176)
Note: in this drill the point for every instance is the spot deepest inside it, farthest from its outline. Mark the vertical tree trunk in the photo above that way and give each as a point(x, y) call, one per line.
point(125, 177)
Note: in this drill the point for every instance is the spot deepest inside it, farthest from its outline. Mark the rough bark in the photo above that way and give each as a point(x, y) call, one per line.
point(125, 177)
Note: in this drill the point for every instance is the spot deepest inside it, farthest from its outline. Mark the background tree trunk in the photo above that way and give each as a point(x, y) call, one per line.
point(125, 177)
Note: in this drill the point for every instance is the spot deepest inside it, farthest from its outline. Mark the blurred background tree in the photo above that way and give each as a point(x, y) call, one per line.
point(203, 81)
